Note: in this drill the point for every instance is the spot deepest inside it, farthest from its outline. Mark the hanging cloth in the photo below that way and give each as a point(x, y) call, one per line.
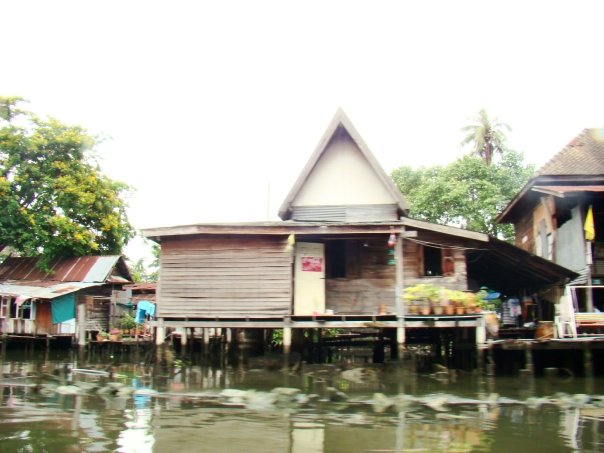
point(63, 308)
point(143, 309)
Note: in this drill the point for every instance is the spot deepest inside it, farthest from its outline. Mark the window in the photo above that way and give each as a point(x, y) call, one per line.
point(4, 306)
point(335, 259)
point(10, 309)
point(26, 310)
point(342, 259)
point(437, 262)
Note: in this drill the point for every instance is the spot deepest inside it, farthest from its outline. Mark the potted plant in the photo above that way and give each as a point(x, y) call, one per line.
point(115, 335)
point(127, 323)
point(423, 295)
point(102, 336)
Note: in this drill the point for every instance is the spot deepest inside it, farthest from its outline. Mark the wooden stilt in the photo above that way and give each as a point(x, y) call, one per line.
point(588, 363)
point(528, 360)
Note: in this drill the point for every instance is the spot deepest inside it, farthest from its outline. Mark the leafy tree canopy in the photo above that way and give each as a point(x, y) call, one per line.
point(468, 193)
point(53, 197)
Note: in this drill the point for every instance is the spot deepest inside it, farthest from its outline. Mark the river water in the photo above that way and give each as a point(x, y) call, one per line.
point(57, 402)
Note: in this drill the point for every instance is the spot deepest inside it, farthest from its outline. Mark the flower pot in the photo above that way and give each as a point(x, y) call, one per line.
point(424, 311)
point(438, 309)
point(460, 310)
point(449, 310)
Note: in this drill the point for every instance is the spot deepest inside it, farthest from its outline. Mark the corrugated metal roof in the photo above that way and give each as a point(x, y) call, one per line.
point(43, 291)
point(76, 269)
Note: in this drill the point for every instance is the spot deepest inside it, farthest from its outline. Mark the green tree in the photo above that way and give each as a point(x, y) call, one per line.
point(486, 135)
point(54, 199)
point(466, 193)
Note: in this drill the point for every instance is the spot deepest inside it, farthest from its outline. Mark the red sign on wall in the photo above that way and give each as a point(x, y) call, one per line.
point(312, 264)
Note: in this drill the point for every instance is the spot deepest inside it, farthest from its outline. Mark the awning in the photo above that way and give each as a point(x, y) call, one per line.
point(562, 191)
point(32, 291)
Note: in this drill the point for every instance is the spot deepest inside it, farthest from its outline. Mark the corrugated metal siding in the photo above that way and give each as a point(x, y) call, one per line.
point(352, 213)
point(225, 277)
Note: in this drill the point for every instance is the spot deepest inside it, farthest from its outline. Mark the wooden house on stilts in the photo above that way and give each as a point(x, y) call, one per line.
point(340, 257)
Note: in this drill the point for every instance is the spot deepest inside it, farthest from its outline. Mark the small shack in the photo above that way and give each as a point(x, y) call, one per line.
point(71, 298)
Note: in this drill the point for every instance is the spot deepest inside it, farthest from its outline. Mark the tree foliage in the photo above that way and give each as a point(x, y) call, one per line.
point(54, 199)
point(468, 193)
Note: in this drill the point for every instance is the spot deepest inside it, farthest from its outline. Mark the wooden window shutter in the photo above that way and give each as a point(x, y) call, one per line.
point(448, 262)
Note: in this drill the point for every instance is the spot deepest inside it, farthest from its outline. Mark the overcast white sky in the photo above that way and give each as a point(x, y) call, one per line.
point(207, 104)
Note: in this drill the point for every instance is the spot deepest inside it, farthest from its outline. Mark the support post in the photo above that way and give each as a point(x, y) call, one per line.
point(287, 340)
point(481, 330)
point(183, 337)
point(400, 338)
point(160, 332)
point(206, 340)
point(528, 360)
point(81, 317)
point(588, 363)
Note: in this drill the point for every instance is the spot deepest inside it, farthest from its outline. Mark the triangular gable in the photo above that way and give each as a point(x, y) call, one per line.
point(360, 159)
point(581, 162)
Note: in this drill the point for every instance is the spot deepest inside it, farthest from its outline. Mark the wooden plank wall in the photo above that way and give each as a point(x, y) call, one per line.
point(224, 276)
point(412, 268)
point(524, 238)
point(370, 281)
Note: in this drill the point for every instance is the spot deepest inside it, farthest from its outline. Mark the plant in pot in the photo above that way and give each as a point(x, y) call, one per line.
point(422, 295)
point(102, 335)
point(458, 300)
point(115, 335)
point(127, 323)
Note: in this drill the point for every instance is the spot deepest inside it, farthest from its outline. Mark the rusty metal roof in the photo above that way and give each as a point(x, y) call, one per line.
point(84, 269)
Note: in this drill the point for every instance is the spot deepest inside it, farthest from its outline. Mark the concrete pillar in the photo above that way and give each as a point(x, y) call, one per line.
point(287, 340)
point(183, 336)
point(81, 325)
point(160, 332)
point(400, 340)
point(481, 330)
point(206, 340)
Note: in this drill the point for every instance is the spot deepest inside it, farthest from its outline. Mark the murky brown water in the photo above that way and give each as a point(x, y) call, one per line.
point(49, 405)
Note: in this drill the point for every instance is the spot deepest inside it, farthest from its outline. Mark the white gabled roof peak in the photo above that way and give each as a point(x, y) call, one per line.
point(341, 123)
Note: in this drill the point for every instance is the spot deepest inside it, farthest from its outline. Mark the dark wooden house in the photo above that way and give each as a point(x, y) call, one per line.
point(551, 214)
point(340, 257)
point(71, 299)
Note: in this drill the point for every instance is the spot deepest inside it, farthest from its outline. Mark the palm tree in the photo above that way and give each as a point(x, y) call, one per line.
point(486, 136)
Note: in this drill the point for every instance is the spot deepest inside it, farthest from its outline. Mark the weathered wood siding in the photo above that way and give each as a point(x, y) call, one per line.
point(370, 281)
point(524, 234)
point(413, 266)
point(225, 277)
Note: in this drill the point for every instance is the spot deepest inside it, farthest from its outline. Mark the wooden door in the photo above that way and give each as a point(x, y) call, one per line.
point(309, 274)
